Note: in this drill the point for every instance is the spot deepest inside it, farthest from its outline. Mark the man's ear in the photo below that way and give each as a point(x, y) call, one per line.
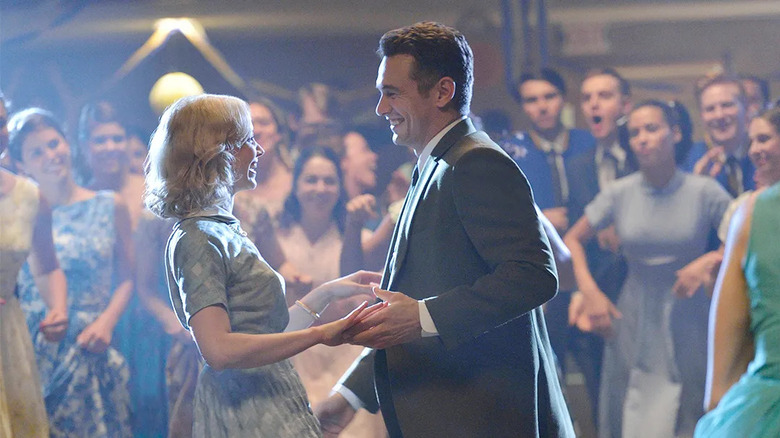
point(444, 91)
point(676, 134)
point(628, 105)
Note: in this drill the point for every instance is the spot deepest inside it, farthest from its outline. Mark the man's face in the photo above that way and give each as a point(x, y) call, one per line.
point(603, 104)
point(723, 115)
point(410, 113)
point(542, 103)
point(359, 162)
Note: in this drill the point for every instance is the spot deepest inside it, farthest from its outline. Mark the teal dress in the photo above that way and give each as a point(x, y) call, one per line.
point(751, 408)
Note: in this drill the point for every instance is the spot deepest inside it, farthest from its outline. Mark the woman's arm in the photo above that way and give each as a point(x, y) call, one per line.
point(96, 337)
point(222, 349)
point(597, 307)
point(359, 210)
point(149, 243)
point(730, 340)
point(49, 278)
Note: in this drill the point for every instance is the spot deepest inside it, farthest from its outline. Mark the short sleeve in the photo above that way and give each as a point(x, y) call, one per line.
point(601, 210)
point(199, 274)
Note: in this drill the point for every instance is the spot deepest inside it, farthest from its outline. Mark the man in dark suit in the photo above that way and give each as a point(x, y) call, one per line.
point(605, 99)
point(723, 154)
point(461, 348)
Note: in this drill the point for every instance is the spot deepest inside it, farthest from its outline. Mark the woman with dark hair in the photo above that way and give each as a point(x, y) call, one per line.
point(311, 233)
point(312, 221)
point(652, 380)
point(743, 370)
point(84, 379)
point(25, 234)
point(222, 290)
point(102, 158)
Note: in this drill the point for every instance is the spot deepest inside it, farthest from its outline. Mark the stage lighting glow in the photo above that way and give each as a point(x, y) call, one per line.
point(171, 87)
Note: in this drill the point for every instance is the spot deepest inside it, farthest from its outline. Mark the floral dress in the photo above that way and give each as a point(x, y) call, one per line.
point(85, 393)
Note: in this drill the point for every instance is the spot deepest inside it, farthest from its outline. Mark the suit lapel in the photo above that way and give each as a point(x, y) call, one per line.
point(403, 227)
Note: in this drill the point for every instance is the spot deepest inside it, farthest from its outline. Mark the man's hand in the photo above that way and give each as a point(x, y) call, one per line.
point(397, 323)
point(711, 163)
point(559, 217)
point(334, 413)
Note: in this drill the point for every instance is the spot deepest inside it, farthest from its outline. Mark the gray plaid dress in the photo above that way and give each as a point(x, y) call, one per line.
point(211, 262)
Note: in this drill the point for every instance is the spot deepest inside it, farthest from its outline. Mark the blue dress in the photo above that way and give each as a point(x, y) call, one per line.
point(211, 262)
point(751, 408)
point(85, 393)
point(652, 381)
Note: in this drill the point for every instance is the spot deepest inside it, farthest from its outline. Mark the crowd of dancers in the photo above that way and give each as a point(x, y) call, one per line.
point(647, 215)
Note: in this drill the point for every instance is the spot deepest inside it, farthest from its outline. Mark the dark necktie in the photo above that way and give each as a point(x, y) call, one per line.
point(553, 157)
point(734, 176)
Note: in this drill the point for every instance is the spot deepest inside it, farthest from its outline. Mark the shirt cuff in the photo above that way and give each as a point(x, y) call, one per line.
point(350, 396)
point(426, 322)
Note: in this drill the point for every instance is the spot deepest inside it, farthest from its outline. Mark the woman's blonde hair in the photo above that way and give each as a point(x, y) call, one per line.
point(189, 167)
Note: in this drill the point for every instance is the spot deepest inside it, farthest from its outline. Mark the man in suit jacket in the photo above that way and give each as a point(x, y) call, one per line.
point(725, 117)
point(605, 99)
point(461, 349)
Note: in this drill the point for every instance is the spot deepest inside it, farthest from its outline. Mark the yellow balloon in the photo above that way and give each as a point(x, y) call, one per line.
point(172, 87)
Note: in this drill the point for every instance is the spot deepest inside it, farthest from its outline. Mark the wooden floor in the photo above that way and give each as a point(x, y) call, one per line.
point(578, 401)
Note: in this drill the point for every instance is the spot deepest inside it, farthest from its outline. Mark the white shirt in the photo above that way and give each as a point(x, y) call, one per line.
point(426, 322)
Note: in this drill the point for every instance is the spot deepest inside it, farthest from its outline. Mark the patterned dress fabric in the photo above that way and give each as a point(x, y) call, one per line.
point(85, 393)
point(655, 363)
point(211, 262)
point(22, 412)
point(751, 408)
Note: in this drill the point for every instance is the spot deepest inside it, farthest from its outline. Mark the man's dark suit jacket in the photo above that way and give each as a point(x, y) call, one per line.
point(476, 251)
point(608, 269)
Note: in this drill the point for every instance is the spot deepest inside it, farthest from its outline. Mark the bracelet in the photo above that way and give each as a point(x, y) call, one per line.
point(308, 309)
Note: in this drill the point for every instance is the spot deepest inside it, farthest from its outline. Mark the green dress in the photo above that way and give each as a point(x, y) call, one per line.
point(751, 408)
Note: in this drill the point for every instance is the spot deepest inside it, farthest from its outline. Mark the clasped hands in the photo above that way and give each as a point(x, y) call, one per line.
point(393, 320)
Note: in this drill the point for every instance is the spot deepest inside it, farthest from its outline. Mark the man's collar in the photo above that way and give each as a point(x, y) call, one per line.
point(426, 152)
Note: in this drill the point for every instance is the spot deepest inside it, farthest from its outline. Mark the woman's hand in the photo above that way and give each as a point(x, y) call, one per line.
point(357, 283)
point(96, 337)
point(54, 325)
point(173, 327)
point(598, 310)
point(332, 333)
point(697, 274)
point(360, 209)
point(609, 240)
